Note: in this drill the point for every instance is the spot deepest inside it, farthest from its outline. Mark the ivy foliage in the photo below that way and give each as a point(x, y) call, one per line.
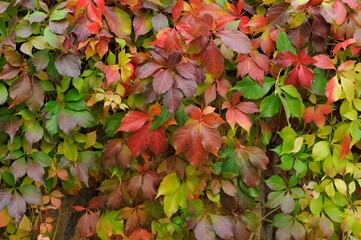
point(189, 119)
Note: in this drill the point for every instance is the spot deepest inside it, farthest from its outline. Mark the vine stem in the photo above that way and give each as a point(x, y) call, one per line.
point(57, 224)
point(269, 213)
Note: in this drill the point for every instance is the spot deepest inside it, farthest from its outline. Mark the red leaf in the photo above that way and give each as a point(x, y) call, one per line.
point(162, 81)
point(326, 226)
point(235, 40)
point(305, 76)
point(8, 72)
point(147, 69)
point(177, 10)
point(133, 121)
point(330, 90)
point(87, 224)
point(94, 14)
point(140, 234)
point(119, 22)
point(317, 114)
point(353, 4)
point(172, 99)
point(112, 74)
point(79, 208)
point(17, 207)
point(172, 43)
point(285, 59)
point(345, 144)
point(340, 12)
point(300, 35)
point(213, 60)
point(323, 61)
point(188, 86)
point(158, 141)
point(115, 152)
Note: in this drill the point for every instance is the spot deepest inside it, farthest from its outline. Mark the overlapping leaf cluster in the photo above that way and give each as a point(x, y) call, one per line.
point(188, 119)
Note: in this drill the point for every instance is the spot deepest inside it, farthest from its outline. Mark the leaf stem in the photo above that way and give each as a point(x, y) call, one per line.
point(57, 224)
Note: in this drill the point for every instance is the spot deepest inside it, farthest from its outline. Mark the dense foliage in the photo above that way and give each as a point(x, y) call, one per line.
point(198, 119)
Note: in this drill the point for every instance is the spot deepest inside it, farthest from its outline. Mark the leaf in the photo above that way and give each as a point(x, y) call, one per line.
point(18, 168)
point(66, 121)
point(169, 185)
point(160, 119)
point(142, 24)
point(270, 105)
point(297, 230)
point(4, 215)
point(283, 43)
point(119, 21)
point(300, 35)
point(87, 224)
point(147, 69)
point(204, 230)
point(323, 61)
point(19, 89)
point(346, 146)
point(333, 90)
point(188, 86)
point(172, 99)
point(275, 182)
point(3, 94)
point(17, 207)
point(68, 65)
point(36, 97)
point(159, 22)
point(285, 59)
point(288, 204)
point(115, 152)
point(5, 198)
point(11, 126)
point(213, 60)
point(172, 42)
point(235, 40)
point(133, 121)
point(31, 194)
point(162, 81)
point(34, 133)
point(223, 226)
point(35, 171)
point(177, 10)
point(321, 150)
point(326, 226)
point(112, 74)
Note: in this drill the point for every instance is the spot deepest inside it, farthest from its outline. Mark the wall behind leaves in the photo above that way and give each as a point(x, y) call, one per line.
point(200, 119)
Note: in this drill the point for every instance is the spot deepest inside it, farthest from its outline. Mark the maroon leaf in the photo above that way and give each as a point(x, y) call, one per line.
point(213, 60)
point(186, 70)
point(36, 97)
point(116, 153)
point(80, 171)
point(277, 14)
point(257, 157)
point(300, 35)
point(223, 226)
point(66, 121)
point(18, 168)
point(248, 173)
point(11, 126)
point(35, 171)
point(204, 230)
point(172, 99)
point(147, 69)
point(162, 81)
point(5, 198)
point(31, 194)
point(17, 207)
point(133, 121)
point(188, 86)
point(158, 141)
point(87, 224)
point(68, 65)
point(150, 182)
point(235, 40)
point(19, 89)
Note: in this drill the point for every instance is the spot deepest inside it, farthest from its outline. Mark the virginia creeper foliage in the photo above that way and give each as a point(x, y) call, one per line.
point(186, 119)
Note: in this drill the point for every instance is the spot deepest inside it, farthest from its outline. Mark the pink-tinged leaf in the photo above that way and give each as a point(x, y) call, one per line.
point(66, 121)
point(247, 107)
point(177, 9)
point(204, 230)
point(213, 60)
point(133, 121)
point(340, 12)
point(288, 204)
point(36, 97)
point(257, 157)
point(19, 90)
point(223, 226)
point(18, 169)
point(79, 208)
point(150, 182)
point(211, 139)
point(162, 81)
point(305, 76)
point(140, 234)
point(172, 99)
point(17, 207)
point(81, 172)
point(135, 184)
point(142, 25)
point(188, 86)
point(298, 231)
point(323, 61)
point(112, 74)
point(333, 90)
point(94, 13)
point(304, 58)
point(212, 120)
point(172, 43)
point(235, 40)
point(186, 70)
point(229, 188)
point(147, 69)
point(158, 141)
point(68, 65)
point(5, 198)
point(34, 133)
point(115, 152)
point(285, 59)
point(8, 72)
point(342, 45)
point(118, 21)
point(345, 145)
point(353, 4)
point(159, 22)
point(11, 126)
point(87, 224)
point(35, 171)
point(326, 226)
point(3, 6)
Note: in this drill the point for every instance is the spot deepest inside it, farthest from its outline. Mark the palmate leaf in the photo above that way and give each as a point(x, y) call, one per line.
point(116, 152)
point(87, 224)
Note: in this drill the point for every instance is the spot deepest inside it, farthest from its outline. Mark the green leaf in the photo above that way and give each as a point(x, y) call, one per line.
point(316, 205)
point(251, 89)
point(283, 43)
point(270, 105)
point(58, 14)
point(171, 205)
point(160, 119)
point(300, 167)
point(70, 150)
point(3, 94)
point(73, 95)
point(275, 183)
point(42, 158)
point(319, 84)
point(9, 178)
point(169, 185)
point(280, 220)
point(321, 150)
point(34, 133)
point(54, 40)
point(31, 194)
